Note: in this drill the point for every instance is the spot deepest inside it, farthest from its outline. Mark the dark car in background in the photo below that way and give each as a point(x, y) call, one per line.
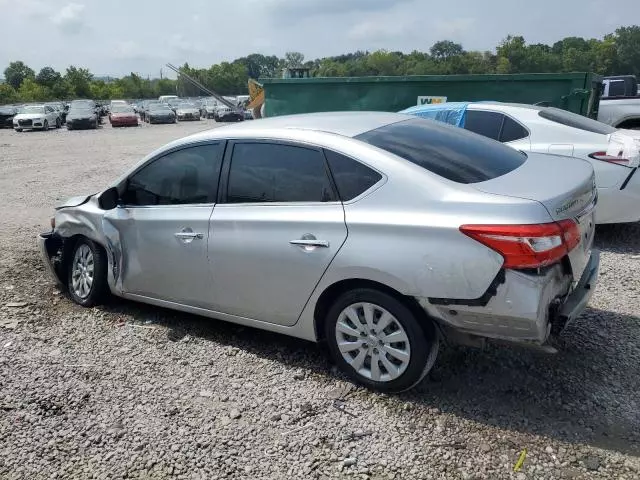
point(7, 112)
point(83, 114)
point(160, 113)
point(144, 109)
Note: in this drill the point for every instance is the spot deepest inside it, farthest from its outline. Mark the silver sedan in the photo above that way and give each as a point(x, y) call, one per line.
point(379, 233)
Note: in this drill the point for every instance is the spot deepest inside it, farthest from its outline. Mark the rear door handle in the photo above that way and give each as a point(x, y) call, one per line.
point(310, 243)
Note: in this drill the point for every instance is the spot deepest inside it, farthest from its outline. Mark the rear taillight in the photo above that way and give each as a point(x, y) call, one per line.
point(602, 156)
point(527, 246)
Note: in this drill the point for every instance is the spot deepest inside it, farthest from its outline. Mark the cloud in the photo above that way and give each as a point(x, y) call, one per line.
point(454, 27)
point(330, 7)
point(181, 44)
point(70, 18)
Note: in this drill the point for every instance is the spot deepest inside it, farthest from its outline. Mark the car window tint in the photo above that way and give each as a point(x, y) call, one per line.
point(450, 152)
point(576, 121)
point(268, 172)
point(487, 124)
point(512, 130)
point(185, 176)
point(616, 88)
point(352, 177)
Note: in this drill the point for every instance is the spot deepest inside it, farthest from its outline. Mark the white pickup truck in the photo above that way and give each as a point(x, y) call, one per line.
point(620, 102)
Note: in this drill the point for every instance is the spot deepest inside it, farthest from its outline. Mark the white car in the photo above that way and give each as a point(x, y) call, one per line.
point(36, 117)
point(614, 153)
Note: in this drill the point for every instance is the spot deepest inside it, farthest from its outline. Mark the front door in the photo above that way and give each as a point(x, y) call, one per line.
point(277, 230)
point(163, 225)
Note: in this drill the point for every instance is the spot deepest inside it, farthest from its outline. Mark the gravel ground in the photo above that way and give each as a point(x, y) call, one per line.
point(132, 391)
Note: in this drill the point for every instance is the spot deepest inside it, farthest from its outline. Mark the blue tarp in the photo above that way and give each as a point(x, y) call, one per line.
point(452, 113)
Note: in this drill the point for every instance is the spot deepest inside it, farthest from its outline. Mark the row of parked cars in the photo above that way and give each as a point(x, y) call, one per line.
point(74, 115)
point(381, 234)
point(177, 109)
point(84, 113)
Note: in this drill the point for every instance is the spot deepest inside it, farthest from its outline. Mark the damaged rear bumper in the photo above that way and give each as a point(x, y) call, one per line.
point(526, 308)
point(50, 246)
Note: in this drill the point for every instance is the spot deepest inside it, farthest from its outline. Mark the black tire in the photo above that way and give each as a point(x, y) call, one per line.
point(19, 130)
point(45, 126)
point(423, 342)
point(99, 286)
point(58, 123)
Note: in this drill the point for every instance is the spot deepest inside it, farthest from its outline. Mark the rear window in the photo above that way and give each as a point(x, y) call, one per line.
point(450, 152)
point(576, 121)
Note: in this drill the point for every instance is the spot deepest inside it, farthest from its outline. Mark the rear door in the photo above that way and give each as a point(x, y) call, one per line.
point(277, 228)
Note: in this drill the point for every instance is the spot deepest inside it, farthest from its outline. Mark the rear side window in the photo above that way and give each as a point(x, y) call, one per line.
point(576, 121)
point(268, 172)
point(352, 177)
point(447, 151)
point(487, 124)
point(512, 131)
point(616, 88)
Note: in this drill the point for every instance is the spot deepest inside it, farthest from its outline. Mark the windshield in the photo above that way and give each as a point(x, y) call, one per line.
point(7, 110)
point(450, 152)
point(32, 109)
point(80, 109)
point(158, 106)
point(120, 108)
point(576, 121)
point(186, 105)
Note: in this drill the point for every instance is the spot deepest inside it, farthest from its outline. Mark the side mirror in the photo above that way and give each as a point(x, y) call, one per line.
point(109, 199)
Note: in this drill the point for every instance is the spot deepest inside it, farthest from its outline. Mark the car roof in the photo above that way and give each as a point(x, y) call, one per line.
point(348, 124)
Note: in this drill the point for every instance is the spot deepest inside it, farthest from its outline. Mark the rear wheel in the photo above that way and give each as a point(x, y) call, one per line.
point(58, 123)
point(87, 273)
point(378, 341)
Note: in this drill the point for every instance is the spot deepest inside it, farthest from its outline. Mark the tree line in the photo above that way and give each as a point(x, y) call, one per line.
point(616, 53)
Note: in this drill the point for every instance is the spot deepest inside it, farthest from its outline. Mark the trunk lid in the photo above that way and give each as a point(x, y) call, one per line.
point(565, 186)
point(625, 144)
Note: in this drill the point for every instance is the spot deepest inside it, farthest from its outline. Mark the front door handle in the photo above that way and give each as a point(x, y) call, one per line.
point(187, 235)
point(310, 243)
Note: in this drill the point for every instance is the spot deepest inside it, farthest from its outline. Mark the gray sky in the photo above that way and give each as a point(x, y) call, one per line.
point(119, 36)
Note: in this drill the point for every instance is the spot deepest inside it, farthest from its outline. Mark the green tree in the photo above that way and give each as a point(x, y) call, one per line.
point(48, 77)
point(445, 49)
point(30, 91)
point(79, 80)
point(293, 59)
point(628, 49)
point(8, 94)
point(16, 73)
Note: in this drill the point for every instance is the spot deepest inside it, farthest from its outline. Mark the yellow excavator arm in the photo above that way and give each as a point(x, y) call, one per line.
point(256, 97)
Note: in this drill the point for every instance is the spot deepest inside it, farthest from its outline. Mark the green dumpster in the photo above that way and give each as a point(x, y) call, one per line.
point(576, 92)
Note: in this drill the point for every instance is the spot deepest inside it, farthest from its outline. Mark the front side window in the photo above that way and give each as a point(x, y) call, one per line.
point(187, 176)
point(269, 172)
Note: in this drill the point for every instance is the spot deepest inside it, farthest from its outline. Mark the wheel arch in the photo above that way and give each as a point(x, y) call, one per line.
point(630, 123)
point(333, 291)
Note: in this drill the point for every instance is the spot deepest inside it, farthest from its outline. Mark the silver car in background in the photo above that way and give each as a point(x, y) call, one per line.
point(379, 233)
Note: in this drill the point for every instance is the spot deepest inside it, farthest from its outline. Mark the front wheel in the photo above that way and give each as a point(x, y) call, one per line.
point(378, 341)
point(87, 273)
point(45, 126)
point(58, 123)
